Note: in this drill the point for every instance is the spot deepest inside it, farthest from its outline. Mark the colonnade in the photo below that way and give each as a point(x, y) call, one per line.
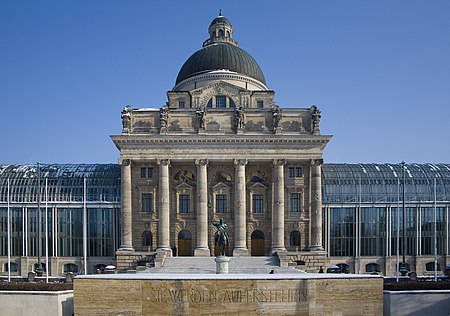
point(240, 207)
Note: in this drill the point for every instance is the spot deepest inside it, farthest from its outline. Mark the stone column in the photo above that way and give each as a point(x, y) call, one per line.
point(127, 237)
point(202, 249)
point(278, 207)
point(240, 222)
point(164, 210)
point(316, 205)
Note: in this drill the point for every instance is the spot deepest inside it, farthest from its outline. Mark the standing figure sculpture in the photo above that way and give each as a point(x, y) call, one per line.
point(221, 240)
point(126, 119)
point(239, 114)
point(315, 118)
point(276, 117)
point(163, 116)
point(200, 113)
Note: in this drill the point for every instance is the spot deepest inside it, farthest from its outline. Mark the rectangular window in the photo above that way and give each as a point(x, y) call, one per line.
point(295, 172)
point(147, 172)
point(295, 202)
point(221, 101)
point(259, 104)
point(291, 172)
point(147, 202)
point(181, 104)
point(184, 203)
point(257, 203)
point(221, 203)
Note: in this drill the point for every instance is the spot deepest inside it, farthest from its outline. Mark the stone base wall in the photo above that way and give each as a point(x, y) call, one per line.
point(313, 260)
point(126, 260)
point(141, 294)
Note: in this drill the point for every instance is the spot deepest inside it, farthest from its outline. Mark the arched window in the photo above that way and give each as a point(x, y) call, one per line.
point(295, 238)
point(228, 34)
point(430, 266)
point(257, 234)
point(209, 105)
point(373, 267)
point(13, 267)
point(147, 238)
point(221, 32)
point(99, 268)
point(344, 267)
point(232, 105)
point(70, 267)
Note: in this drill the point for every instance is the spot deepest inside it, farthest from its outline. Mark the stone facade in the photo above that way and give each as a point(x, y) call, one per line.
point(221, 148)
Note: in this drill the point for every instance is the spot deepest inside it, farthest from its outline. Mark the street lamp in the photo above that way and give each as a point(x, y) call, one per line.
point(403, 268)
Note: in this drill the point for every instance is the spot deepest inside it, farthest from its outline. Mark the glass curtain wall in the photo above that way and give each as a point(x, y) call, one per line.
point(373, 231)
point(342, 232)
point(427, 230)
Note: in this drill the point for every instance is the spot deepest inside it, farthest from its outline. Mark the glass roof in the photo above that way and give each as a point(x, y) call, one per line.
point(383, 182)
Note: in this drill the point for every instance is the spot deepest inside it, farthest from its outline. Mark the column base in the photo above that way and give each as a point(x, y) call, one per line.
point(202, 252)
point(166, 250)
point(125, 248)
point(240, 252)
point(316, 248)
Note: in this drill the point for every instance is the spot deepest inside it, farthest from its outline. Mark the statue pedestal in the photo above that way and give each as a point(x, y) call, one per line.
point(222, 264)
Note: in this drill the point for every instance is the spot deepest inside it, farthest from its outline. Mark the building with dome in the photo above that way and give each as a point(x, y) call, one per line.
point(221, 148)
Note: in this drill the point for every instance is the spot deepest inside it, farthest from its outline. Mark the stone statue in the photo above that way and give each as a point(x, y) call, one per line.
point(200, 113)
point(126, 118)
point(240, 118)
point(276, 117)
point(221, 239)
point(315, 118)
point(163, 116)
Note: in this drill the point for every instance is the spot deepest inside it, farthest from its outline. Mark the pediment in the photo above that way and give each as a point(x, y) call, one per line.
point(258, 186)
point(220, 186)
point(183, 186)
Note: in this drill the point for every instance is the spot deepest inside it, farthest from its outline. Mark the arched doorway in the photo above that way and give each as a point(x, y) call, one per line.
point(184, 243)
point(257, 243)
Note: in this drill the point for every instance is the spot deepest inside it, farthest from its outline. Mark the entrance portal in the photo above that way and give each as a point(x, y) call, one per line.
point(257, 243)
point(184, 243)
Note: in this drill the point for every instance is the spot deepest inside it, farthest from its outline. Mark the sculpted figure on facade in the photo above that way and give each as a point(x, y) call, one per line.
point(200, 113)
point(240, 118)
point(315, 118)
point(126, 119)
point(276, 117)
point(163, 117)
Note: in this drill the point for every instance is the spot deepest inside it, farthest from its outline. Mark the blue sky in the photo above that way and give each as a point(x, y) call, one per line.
point(378, 70)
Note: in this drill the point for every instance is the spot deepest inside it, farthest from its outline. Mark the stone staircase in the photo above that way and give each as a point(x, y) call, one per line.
point(207, 265)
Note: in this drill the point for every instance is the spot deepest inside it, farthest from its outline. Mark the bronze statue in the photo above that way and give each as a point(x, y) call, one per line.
point(221, 239)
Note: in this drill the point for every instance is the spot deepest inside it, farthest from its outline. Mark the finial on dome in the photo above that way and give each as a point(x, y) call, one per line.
point(220, 12)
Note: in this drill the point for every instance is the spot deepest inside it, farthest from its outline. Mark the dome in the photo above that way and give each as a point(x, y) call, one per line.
point(220, 52)
point(221, 56)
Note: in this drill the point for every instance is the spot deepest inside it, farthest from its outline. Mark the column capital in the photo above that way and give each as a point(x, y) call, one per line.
point(316, 162)
point(241, 162)
point(201, 162)
point(279, 162)
point(126, 162)
point(164, 162)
